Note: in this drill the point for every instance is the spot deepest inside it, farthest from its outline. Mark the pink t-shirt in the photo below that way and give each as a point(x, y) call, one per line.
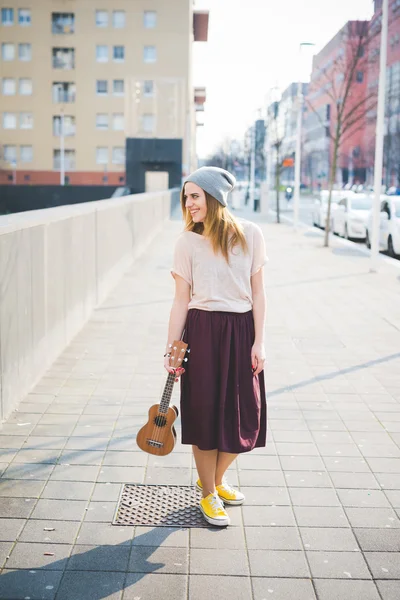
point(215, 284)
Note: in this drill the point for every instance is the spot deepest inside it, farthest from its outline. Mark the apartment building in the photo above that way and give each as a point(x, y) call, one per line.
point(79, 77)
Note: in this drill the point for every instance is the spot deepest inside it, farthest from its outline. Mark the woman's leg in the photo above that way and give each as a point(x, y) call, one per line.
point(224, 459)
point(206, 463)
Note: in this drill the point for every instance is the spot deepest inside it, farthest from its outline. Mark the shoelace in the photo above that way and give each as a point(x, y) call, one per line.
point(226, 485)
point(216, 504)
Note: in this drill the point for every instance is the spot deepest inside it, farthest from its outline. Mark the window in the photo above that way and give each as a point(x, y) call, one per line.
point(24, 51)
point(149, 19)
point(69, 160)
point(25, 87)
point(102, 155)
point(62, 23)
point(118, 122)
point(8, 51)
point(102, 53)
point(102, 87)
point(119, 53)
point(68, 125)
point(24, 16)
point(148, 123)
point(118, 156)
point(26, 154)
point(10, 154)
point(9, 120)
point(119, 19)
point(7, 16)
point(8, 86)
point(149, 54)
point(360, 76)
point(64, 91)
point(26, 120)
point(101, 121)
point(118, 87)
point(101, 18)
point(148, 89)
point(63, 58)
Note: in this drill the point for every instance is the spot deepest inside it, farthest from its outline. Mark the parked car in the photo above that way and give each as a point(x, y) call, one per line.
point(320, 209)
point(350, 217)
point(389, 226)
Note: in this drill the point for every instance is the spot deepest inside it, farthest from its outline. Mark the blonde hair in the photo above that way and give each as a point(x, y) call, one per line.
point(222, 229)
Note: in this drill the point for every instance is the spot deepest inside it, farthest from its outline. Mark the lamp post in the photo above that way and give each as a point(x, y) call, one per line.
point(62, 148)
point(379, 140)
point(297, 163)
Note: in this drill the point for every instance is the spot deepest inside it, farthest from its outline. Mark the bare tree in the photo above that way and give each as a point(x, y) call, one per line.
point(339, 78)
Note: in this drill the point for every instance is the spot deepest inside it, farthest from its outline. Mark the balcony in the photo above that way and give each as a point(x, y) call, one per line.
point(64, 58)
point(62, 23)
point(199, 98)
point(69, 127)
point(64, 92)
point(200, 25)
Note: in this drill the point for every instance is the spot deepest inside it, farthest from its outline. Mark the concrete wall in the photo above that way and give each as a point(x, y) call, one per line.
point(56, 266)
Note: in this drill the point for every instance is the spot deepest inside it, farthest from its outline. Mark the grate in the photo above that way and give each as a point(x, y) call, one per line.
point(159, 506)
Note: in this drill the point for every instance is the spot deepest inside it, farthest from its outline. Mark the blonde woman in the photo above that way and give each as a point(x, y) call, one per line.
point(220, 307)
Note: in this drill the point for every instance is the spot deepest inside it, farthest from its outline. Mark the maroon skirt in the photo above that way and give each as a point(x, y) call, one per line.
point(223, 406)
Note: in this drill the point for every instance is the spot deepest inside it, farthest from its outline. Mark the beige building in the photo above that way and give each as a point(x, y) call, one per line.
point(78, 77)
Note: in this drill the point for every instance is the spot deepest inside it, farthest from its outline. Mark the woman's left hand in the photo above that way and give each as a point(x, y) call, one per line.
point(257, 358)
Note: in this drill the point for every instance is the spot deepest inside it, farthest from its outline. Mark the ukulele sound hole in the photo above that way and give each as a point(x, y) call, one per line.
point(160, 421)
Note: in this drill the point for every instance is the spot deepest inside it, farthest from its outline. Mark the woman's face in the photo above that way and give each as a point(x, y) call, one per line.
point(195, 202)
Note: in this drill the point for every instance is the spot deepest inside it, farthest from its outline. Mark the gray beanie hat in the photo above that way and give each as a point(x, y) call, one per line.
point(215, 181)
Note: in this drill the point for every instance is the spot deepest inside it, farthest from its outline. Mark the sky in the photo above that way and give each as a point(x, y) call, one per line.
point(253, 51)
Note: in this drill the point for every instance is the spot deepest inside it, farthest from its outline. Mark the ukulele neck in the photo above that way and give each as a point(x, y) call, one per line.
point(167, 393)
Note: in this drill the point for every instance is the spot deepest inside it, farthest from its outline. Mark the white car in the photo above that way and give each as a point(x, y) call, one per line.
point(320, 208)
point(349, 219)
point(389, 226)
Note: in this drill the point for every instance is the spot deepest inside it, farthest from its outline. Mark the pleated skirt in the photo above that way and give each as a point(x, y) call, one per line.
point(223, 405)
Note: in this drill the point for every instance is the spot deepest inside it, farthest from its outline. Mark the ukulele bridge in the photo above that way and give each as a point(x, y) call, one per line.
point(154, 443)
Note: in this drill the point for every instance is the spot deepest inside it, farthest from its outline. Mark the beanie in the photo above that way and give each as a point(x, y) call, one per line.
point(215, 181)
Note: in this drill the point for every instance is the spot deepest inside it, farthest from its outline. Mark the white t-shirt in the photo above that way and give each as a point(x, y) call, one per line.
point(215, 284)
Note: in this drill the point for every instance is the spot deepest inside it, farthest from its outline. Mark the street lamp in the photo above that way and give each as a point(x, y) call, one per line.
point(297, 162)
point(379, 140)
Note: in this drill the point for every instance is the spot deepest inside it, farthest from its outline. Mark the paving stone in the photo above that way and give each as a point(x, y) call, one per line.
point(272, 538)
point(326, 516)
point(59, 510)
point(350, 590)
point(355, 481)
point(380, 540)
point(93, 585)
point(106, 491)
point(268, 515)
point(373, 517)
point(223, 588)
point(45, 442)
point(163, 536)
point(121, 475)
point(279, 564)
point(39, 556)
point(82, 457)
point(5, 550)
point(314, 497)
point(87, 443)
point(384, 565)
point(100, 511)
point(37, 456)
point(10, 529)
point(64, 531)
point(282, 589)
point(389, 590)
point(147, 559)
point(329, 538)
point(99, 558)
point(388, 481)
point(265, 496)
point(68, 472)
point(63, 490)
point(125, 459)
point(214, 562)
point(17, 488)
point(338, 565)
point(104, 534)
point(348, 464)
point(261, 478)
point(6, 456)
point(224, 538)
point(167, 587)
point(309, 479)
point(166, 475)
point(363, 498)
point(33, 584)
point(28, 471)
point(16, 507)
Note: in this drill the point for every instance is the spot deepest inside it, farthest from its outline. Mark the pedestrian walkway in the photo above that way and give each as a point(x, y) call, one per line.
point(321, 518)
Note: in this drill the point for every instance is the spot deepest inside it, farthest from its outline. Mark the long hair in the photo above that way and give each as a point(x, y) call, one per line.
point(222, 229)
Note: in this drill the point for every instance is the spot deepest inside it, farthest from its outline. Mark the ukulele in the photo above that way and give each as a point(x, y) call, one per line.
point(158, 436)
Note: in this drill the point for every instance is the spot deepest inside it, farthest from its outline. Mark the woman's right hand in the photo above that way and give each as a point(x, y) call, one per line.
point(178, 372)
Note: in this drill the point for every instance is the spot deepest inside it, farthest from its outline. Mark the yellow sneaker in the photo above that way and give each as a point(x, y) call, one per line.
point(213, 511)
point(227, 493)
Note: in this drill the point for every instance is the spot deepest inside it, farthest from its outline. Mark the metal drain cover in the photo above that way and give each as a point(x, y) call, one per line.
point(159, 506)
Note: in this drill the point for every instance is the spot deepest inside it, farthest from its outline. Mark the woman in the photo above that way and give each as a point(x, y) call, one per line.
point(219, 304)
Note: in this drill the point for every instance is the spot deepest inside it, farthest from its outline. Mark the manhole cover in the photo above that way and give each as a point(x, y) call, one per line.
point(159, 506)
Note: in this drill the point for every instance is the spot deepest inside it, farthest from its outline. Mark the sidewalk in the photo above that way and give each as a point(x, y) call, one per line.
point(321, 520)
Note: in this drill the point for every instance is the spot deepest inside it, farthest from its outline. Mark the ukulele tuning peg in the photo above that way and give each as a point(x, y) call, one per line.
point(188, 351)
point(185, 359)
point(169, 345)
point(174, 347)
